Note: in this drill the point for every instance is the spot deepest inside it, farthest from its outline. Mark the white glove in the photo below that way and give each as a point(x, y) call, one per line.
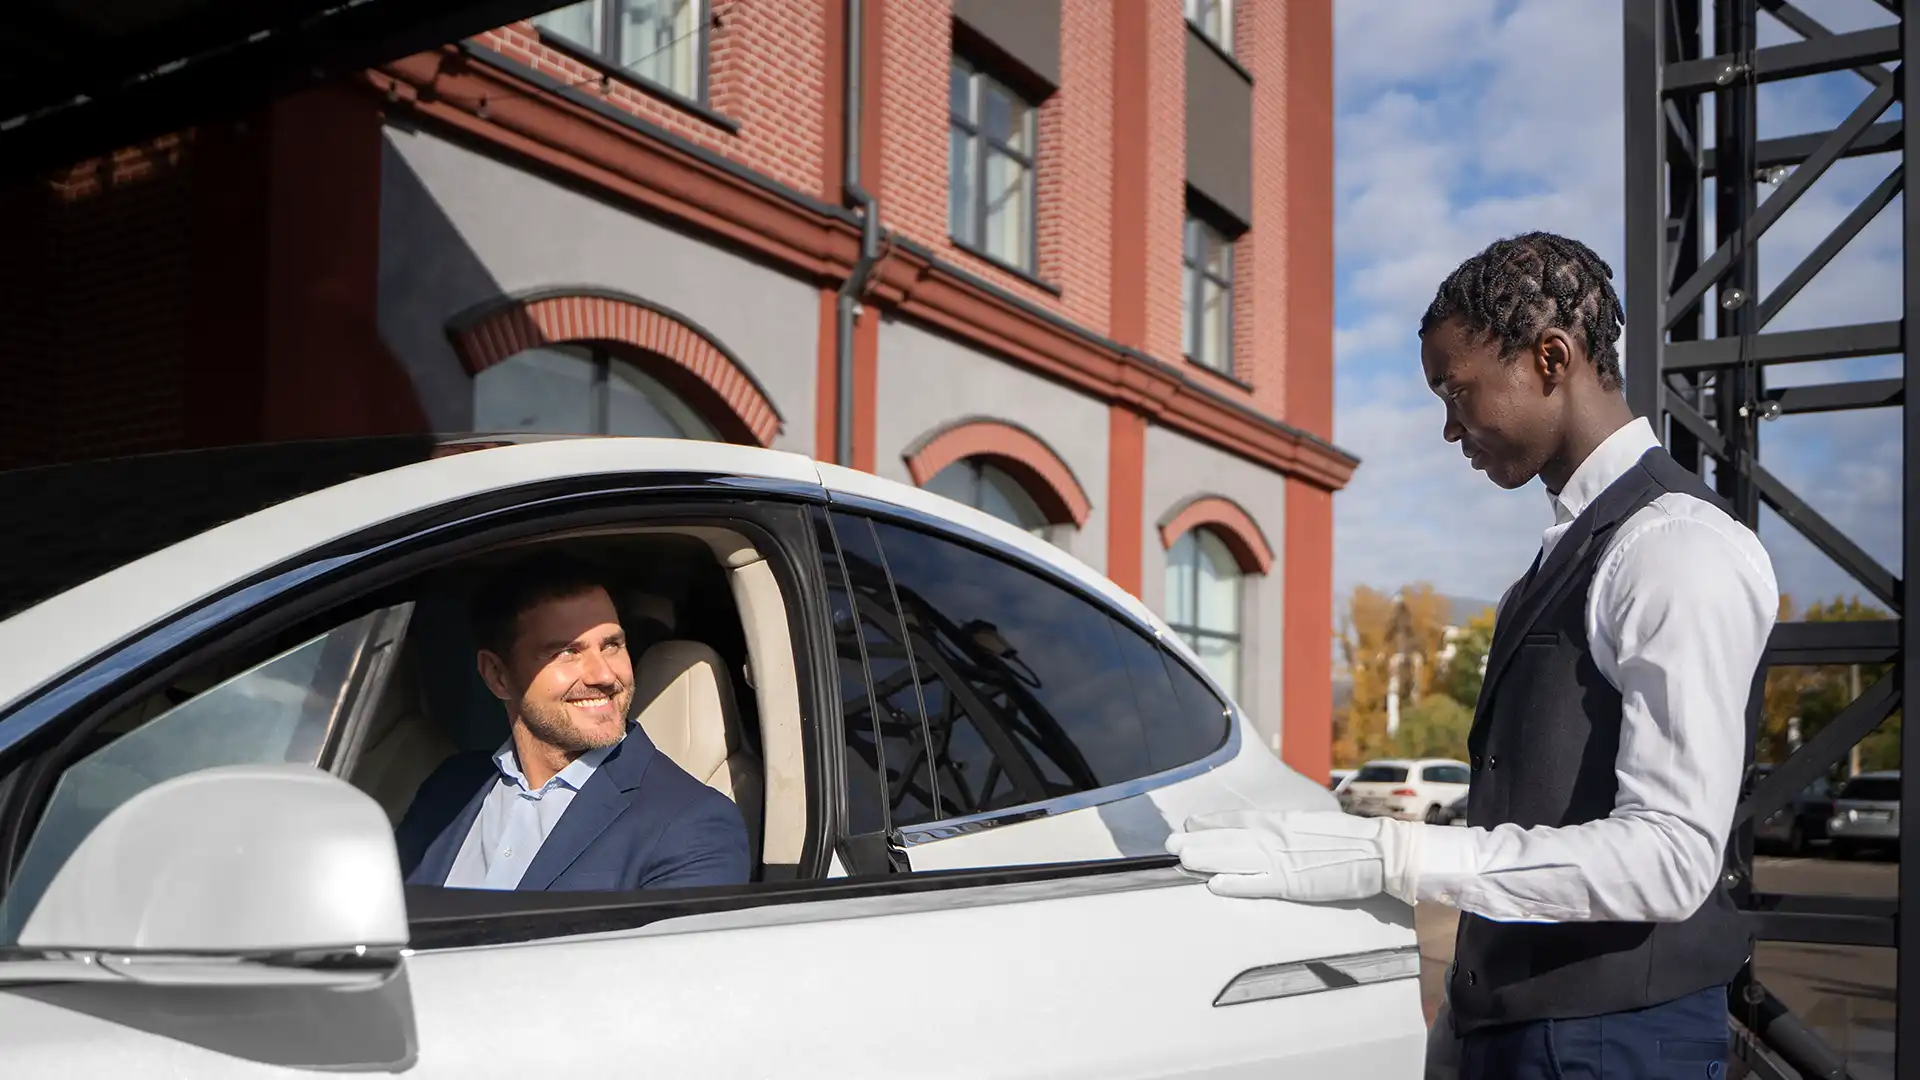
point(1306, 855)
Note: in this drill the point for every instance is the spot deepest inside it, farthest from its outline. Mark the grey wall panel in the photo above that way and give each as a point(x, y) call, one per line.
point(1219, 130)
point(1180, 468)
point(927, 381)
point(458, 227)
point(1027, 31)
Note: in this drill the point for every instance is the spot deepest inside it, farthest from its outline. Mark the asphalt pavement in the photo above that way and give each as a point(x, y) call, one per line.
point(1845, 994)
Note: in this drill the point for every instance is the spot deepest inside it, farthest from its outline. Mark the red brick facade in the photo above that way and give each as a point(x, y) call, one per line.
point(225, 285)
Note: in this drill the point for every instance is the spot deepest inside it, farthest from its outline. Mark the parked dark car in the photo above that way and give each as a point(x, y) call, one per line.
point(1455, 812)
point(1795, 826)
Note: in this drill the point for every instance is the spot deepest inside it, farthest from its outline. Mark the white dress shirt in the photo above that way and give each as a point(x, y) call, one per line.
point(514, 821)
point(1678, 614)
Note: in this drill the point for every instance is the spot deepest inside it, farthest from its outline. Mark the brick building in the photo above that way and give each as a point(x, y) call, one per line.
point(1068, 260)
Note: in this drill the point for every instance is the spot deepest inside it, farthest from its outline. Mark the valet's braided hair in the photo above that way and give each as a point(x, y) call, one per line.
point(1519, 287)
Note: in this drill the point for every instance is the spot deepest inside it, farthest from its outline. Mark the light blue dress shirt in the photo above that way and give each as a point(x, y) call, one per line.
point(513, 821)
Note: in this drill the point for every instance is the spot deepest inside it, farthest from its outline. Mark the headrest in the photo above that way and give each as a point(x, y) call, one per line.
point(684, 701)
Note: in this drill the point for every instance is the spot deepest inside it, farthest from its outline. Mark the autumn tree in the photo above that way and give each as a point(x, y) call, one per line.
point(1384, 635)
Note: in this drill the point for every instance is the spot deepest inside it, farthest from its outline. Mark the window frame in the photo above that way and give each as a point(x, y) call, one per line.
point(981, 143)
point(913, 836)
point(332, 586)
point(599, 390)
point(1198, 237)
point(1197, 13)
point(604, 53)
point(327, 586)
point(1195, 633)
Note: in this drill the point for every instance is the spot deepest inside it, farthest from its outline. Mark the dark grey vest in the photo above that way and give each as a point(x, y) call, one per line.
point(1545, 735)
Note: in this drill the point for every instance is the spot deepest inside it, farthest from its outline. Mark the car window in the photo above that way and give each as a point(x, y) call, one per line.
point(905, 757)
point(1028, 695)
point(1872, 789)
point(1446, 774)
point(1380, 774)
point(276, 712)
point(1184, 721)
point(866, 802)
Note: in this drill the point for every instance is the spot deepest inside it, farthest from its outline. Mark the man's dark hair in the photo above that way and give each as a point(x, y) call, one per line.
point(528, 582)
point(1520, 287)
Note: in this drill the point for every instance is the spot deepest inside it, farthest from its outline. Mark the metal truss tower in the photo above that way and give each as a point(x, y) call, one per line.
point(1698, 351)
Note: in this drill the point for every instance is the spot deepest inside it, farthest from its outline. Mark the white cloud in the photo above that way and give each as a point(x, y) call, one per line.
point(1464, 121)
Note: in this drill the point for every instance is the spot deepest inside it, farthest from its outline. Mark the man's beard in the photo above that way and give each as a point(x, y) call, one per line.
point(554, 724)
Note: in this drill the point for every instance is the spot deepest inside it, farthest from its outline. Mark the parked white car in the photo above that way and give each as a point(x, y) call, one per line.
point(226, 672)
point(1418, 790)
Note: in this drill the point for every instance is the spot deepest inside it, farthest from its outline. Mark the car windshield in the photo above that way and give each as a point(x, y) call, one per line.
point(1872, 789)
point(1381, 774)
point(100, 515)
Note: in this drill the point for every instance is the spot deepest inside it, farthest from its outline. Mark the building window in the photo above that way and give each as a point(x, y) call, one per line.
point(992, 490)
point(1206, 310)
point(1214, 19)
point(571, 390)
point(663, 42)
point(1203, 602)
point(990, 155)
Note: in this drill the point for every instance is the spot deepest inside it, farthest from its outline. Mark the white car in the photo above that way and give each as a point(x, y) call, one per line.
point(225, 673)
point(1418, 790)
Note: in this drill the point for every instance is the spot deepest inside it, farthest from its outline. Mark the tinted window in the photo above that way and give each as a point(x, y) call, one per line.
point(1027, 692)
point(1380, 774)
point(1447, 774)
point(905, 757)
point(866, 802)
point(1184, 721)
point(1872, 789)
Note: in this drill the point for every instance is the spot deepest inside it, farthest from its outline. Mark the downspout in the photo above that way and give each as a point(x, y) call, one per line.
point(869, 207)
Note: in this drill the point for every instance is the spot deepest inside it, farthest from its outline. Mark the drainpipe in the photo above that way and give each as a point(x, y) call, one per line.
point(869, 207)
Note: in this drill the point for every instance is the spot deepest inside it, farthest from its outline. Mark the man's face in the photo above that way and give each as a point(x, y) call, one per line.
point(567, 675)
point(1502, 412)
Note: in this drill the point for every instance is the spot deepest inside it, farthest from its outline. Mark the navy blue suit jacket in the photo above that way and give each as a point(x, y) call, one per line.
point(640, 822)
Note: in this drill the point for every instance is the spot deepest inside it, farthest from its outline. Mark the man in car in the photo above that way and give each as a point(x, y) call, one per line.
point(577, 798)
point(1596, 936)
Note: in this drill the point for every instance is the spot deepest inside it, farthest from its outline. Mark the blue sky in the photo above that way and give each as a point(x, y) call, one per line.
point(1461, 121)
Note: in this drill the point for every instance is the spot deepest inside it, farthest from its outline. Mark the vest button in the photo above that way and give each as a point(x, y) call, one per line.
point(1472, 979)
point(1476, 762)
point(1493, 763)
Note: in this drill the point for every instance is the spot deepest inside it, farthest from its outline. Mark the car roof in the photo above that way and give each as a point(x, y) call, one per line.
point(64, 629)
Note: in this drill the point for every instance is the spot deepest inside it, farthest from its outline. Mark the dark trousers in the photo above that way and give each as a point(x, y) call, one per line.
point(1684, 1039)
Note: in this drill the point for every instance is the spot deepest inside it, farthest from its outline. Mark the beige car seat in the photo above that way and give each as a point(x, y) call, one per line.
point(684, 701)
point(403, 745)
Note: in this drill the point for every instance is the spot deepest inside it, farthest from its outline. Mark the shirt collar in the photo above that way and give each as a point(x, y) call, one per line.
point(1609, 462)
point(575, 775)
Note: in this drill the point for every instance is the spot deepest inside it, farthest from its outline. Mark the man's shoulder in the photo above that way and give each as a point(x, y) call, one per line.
point(667, 788)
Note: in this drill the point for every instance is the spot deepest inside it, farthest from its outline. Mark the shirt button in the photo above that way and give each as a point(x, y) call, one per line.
point(506, 853)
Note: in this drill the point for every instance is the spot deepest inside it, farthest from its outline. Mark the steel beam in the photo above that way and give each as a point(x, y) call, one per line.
point(1907, 931)
point(1705, 396)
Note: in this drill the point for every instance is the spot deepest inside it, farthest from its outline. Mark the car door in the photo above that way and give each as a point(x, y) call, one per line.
point(998, 971)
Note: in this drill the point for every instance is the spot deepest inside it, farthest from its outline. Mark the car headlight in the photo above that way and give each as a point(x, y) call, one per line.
point(1836, 821)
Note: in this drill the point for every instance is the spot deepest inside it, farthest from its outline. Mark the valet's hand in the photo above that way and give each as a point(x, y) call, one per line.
point(1305, 855)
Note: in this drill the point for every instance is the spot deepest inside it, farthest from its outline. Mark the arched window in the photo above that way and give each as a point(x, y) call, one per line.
point(580, 390)
point(1203, 601)
point(989, 488)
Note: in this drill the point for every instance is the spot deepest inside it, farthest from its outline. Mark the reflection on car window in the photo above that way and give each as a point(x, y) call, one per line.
point(905, 758)
point(867, 798)
point(1026, 691)
point(1380, 774)
point(1183, 719)
point(277, 712)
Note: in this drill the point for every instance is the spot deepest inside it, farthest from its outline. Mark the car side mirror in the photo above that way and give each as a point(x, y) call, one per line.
point(244, 875)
